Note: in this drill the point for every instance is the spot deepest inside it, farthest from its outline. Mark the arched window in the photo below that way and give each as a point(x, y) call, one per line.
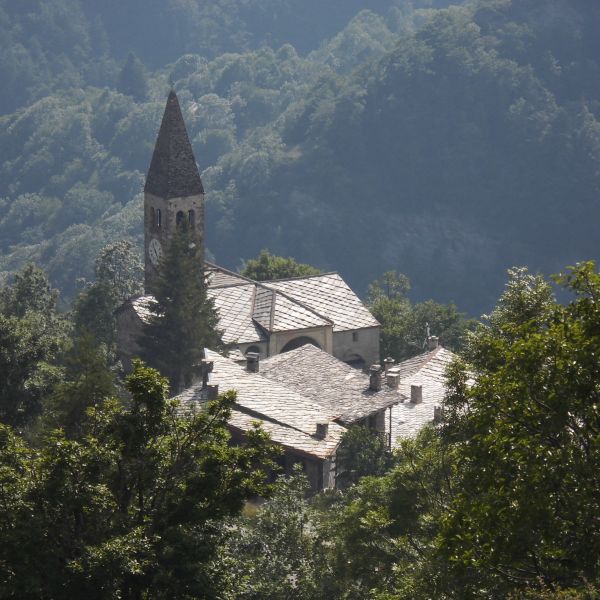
point(297, 342)
point(179, 218)
point(158, 218)
point(192, 219)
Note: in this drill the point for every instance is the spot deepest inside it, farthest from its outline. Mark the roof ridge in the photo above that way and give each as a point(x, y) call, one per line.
point(228, 271)
point(301, 277)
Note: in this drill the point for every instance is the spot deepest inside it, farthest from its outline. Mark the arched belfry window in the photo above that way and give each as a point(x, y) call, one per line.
point(158, 218)
point(192, 219)
point(179, 218)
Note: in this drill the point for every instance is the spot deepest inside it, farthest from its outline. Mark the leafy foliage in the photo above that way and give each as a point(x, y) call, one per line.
point(362, 452)
point(129, 509)
point(273, 551)
point(527, 436)
point(405, 326)
point(32, 337)
point(267, 267)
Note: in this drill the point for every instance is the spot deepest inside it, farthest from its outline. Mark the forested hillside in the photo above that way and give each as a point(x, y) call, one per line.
point(445, 143)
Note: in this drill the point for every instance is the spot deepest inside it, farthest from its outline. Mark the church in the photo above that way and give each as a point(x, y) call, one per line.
point(298, 348)
point(267, 317)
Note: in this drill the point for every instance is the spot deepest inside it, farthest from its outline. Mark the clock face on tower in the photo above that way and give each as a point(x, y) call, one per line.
point(154, 251)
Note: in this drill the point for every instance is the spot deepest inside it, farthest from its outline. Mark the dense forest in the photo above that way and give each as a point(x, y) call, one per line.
point(447, 143)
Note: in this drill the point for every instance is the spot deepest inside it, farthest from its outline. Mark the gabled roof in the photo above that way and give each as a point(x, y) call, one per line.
point(343, 390)
point(173, 171)
point(428, 370)
point(328, 295)
point(290, 418)
point(249, 310)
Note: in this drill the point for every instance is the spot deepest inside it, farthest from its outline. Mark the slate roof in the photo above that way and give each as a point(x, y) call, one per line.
point(328, 295)
point(173, 171)
point(234, 305)
point(218, 276)
point(427, 369)
point(250, 310)
point(289, 417)
point(343, 390)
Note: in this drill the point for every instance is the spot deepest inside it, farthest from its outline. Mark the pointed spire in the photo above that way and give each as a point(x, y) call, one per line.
point(173, 171)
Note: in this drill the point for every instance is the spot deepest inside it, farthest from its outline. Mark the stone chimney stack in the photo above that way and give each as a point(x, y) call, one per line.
point(432, 342)
point(388, 363)
point(252, 362)
point(416, 394)
point(393, 378)
point(206, 368)
point(375, 378)
point(322, 430)
point(212, 392)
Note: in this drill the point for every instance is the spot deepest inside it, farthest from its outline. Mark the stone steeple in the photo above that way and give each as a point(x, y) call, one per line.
point(173, 193)
point(173, 171)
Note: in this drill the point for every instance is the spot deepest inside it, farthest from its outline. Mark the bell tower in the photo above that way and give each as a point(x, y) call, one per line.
point(173, 191)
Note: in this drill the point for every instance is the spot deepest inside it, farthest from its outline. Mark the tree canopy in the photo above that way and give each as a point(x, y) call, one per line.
point(268, 266)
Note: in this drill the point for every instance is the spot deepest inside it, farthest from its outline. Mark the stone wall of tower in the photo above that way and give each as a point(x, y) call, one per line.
point(168, 226)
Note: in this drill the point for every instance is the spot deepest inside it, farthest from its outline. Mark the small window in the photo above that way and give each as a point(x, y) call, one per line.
point(355, 336)
point(179, 218)
point(158, 218)
point(192, 219)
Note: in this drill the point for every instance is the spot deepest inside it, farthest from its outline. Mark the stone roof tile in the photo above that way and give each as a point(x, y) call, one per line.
point(343, 390)
point(290, 417)
point(329, 296)
point(428, 370)
point(173, 171)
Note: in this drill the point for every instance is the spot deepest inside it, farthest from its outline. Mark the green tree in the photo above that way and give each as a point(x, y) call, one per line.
point(32, 337)
point(381, 532)
point(183, 319)
point(269, 266)
point(133, 507)
point(118, 276)
point(132, 79)
point(86, 382)
point(274, 551)
point(526, 437)
point(404, 325)
point(362, 452)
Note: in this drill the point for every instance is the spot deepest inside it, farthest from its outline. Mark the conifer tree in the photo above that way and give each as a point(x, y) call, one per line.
point(132, 79)
point(183, 320)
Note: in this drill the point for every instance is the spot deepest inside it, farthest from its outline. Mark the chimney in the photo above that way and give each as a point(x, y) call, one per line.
point(432, 342)
point(388, 364)
point(438, 414)
point(322, 430)
point(375, 378)
point(252, 364)
point(212, 392)
point(393, 378)
point(416, 394)
point(206, 367)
